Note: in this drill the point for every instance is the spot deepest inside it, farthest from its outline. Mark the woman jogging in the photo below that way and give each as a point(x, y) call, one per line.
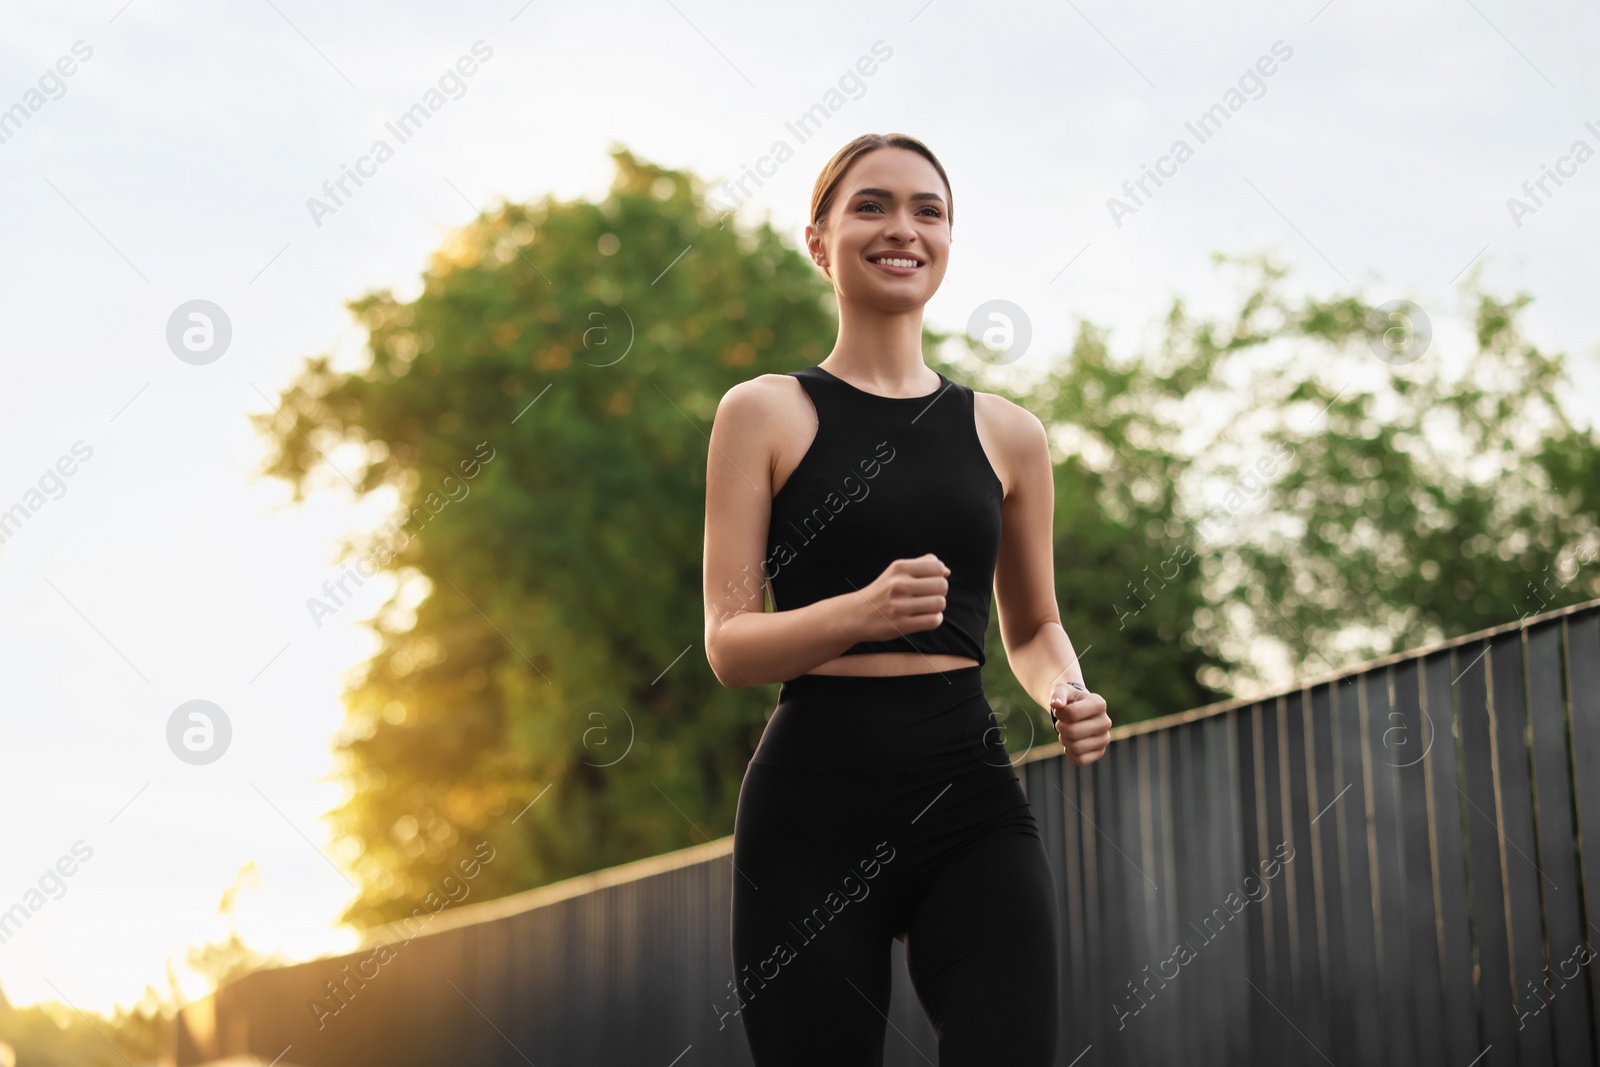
point(881, 503)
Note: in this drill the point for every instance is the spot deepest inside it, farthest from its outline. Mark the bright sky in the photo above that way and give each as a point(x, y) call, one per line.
point(175, 163)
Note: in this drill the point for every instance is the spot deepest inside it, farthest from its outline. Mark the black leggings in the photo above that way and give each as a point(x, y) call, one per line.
point(878, 808)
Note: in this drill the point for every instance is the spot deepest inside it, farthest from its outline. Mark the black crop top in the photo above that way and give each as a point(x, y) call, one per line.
point(889, 478)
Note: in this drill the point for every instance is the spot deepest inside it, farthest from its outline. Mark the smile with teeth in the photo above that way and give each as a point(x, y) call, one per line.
point(895, 261)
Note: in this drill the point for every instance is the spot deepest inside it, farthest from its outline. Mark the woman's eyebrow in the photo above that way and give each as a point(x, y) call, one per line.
point(887, 195)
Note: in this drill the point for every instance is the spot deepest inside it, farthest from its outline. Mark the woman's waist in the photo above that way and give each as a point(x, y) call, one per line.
point(883, 723)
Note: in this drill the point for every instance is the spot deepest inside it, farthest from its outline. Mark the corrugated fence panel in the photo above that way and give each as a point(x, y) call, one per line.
point(1583, 685)
point(1255, 932)
point(1383, 744)
point(1557, 856)
point(1385, 866)
point(1328, 790)
point(1353, 817)
point(1223, 739)
point(1485, 862)
point(1520, 867)
point(1462, 1035)
point(1409, 737)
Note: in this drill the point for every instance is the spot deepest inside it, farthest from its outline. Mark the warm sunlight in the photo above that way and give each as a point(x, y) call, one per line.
point(1262, 456)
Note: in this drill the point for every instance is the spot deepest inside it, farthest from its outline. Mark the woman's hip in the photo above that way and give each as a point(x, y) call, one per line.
point(790, 818)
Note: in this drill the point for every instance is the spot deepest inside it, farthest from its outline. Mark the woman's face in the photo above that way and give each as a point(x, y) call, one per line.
point(890, 205)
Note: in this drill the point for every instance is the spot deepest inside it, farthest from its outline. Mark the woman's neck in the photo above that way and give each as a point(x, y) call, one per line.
point(882, 350)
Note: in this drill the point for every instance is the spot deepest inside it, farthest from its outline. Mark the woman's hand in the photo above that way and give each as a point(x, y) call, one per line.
point(1081, 723)
point(908, 597)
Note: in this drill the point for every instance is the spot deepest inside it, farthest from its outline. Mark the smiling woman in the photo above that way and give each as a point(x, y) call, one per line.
point(882, 732)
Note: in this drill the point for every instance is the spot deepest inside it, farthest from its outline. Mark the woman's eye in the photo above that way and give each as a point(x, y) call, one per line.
point(932, 212)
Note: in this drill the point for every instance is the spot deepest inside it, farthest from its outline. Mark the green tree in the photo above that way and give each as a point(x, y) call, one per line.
point(1118, 516)
point(542, 410)
point(1310, 483)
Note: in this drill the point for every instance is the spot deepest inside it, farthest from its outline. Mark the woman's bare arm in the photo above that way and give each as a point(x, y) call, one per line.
point(746, 644)
point(1037, 646)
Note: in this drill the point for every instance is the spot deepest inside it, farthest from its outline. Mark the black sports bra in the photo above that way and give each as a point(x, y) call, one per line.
point(889, 478)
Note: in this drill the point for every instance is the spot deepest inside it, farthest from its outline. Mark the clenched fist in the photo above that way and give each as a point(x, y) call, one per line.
point(1081, 723)
point(907, 598)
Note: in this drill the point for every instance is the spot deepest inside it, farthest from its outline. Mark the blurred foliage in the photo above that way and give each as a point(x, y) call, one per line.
point(540, 410)
point(1337, 497)
point(56, 1035)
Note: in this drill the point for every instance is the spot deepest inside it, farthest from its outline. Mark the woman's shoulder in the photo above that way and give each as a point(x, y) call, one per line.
point(760, 413)
point(761, 397)
point(1011, 423)
point(1013, 436)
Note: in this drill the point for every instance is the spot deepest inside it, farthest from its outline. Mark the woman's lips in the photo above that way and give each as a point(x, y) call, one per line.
point(900, 271)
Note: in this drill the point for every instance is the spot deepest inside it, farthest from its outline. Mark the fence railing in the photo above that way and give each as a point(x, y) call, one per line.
point(1383, 866)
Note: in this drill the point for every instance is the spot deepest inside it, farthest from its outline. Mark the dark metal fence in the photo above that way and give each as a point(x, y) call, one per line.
point(1379, 867)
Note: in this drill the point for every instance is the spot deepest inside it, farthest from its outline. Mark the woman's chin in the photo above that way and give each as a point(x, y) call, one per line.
point(890, 300)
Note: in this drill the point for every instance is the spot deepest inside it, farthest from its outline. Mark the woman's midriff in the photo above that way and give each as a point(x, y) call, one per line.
point(882, 664)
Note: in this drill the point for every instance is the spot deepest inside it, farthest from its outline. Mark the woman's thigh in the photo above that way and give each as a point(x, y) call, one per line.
point(981, 949)
point(812, 921)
